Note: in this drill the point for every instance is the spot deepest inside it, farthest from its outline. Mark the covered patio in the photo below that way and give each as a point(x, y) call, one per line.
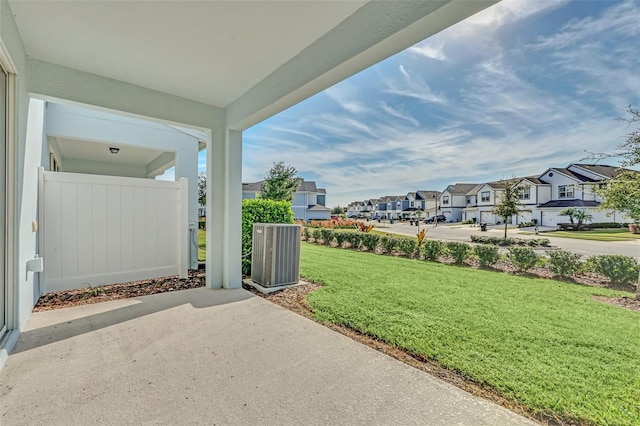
point(215, 357)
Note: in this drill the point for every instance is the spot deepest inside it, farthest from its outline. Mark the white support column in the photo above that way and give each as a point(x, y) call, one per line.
point(186, 163)
point(224, 209)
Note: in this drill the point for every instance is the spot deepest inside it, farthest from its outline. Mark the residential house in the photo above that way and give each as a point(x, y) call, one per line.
point(574, 186)
point(309, 201)
point(428, 202)
point(453, 200)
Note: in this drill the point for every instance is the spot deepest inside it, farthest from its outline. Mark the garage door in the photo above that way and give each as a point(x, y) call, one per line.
point(486, 217)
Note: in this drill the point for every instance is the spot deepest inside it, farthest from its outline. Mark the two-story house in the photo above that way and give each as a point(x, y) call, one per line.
point(428, 201)
point(453, 200)
point(574, 186)
point(309, 201)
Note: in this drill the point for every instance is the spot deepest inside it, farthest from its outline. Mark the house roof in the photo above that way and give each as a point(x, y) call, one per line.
point(460, 188)
point(569, 203)
point(498, 184)
point(305, 186)
point(475, 189)
point(601, 169)
point(535, 180)
point(426, 194)
point(317, 207)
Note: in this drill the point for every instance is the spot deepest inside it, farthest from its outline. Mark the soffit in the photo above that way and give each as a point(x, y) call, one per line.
point(74, 149)
point(208, 51)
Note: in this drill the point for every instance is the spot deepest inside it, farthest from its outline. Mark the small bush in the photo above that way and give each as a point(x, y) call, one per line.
point(432, 249)
point(316, 234)
point(459, 251)
point(388, 244)
point(487, 255)
point(355, 239)
point(523, 258)
point(260, 211)
point(327, 236)
point(407, 246)
point(564, 263)
point(341, 237)
point(306, 233)
point(618, 268)
point(370, 241)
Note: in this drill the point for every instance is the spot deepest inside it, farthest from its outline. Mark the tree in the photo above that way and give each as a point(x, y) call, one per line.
point(280, 183)
point(622, 193)
point(576, 214)
point(202, 188)
point(508, 201)
point(338, 210)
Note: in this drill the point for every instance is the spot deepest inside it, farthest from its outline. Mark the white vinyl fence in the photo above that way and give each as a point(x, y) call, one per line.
point(97, 230)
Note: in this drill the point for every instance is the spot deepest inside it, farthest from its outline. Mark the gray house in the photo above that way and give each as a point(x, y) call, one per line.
point(309, 201)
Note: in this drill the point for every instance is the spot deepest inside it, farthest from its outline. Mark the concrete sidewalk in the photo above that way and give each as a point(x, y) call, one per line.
point(215, 357)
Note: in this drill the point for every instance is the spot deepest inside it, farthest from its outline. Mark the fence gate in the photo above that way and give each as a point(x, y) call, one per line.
point(98, 230)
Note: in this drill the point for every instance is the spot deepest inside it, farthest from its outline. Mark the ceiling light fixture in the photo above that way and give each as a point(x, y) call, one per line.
point(114, 150)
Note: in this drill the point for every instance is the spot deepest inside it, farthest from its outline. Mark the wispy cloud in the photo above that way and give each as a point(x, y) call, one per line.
point(518, 88)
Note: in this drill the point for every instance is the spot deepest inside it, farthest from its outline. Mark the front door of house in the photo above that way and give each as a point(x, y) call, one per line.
point(3, 202)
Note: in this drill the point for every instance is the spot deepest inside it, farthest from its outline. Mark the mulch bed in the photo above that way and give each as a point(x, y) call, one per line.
point(89, 295)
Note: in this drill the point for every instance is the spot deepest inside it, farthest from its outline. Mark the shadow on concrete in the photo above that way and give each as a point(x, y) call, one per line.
point(48, 327)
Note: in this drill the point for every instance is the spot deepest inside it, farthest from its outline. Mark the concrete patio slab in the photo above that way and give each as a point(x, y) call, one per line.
point(215, 357)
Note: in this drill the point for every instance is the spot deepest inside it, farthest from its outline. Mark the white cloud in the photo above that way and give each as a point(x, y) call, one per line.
point(429, 49)
point(412, 87)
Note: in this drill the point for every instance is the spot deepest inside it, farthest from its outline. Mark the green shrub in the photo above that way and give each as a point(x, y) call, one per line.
point(407, 246)
point(608, 225)
point(523, 258)
point(487, 255)
point(564, 263)
point(618, 268)
point(355, 239)
point(316, 234)
point(388, 244)
point(341, 237)
point(533, 242)
point(370, 241)
point(432, 249)
point(260, 211)
point(306, 233)
point(459, 251)
point(327, 236)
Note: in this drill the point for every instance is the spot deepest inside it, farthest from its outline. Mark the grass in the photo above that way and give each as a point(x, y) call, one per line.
point(202, 245)
point(595, 235)
point(544, 344)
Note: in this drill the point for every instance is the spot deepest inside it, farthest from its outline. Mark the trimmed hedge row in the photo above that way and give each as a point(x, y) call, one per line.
point(497, 241)
point(619, 269)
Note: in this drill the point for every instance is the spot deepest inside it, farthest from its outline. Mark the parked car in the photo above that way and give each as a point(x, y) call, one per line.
point(432, 219)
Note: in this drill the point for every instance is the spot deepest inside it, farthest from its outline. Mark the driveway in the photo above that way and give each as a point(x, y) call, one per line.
point(458, 232)
point(215, 357)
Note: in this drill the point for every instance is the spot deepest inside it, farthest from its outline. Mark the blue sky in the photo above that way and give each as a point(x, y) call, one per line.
point(511, 91)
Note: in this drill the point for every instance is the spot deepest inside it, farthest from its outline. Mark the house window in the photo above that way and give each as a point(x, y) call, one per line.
point(412, 204)
point(525, 193)
point(565, 191)
point(398, 204)
point(485, 196)
point(468, 200)
point(445, 200)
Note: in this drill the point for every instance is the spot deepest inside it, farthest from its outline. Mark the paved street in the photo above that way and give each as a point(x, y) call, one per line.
point(457, 232)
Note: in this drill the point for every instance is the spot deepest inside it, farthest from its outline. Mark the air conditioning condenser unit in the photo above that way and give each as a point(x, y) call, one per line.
point(275, 256)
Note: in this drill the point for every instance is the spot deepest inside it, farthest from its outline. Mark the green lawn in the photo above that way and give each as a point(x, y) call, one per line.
point(542, 343)
point(202, 245)
point(595, 235)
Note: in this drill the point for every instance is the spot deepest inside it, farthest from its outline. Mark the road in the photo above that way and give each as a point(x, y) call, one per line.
point(457, 232)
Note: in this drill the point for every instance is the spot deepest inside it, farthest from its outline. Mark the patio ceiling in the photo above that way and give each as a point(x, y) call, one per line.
point(250, 58)
point(81, 150)
point(177, 47)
